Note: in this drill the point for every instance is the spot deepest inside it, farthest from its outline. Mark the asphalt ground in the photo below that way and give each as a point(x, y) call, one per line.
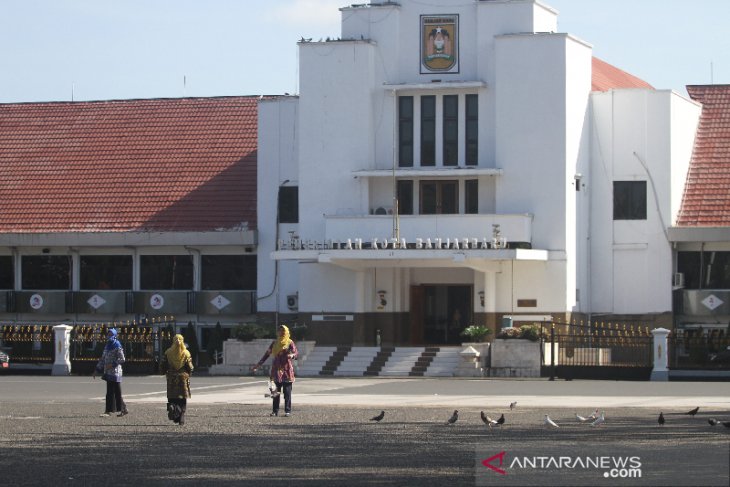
point(51, 432)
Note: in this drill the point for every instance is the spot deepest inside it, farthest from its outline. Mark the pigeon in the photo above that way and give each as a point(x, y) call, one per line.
point(453, 417)
point(500, 421)
point(512, 405)
point(550, 422)
point(599, 420)
point(712, 421)
point(661, 419)
point(726, 424)
point(692, 412)
point(489, 421)
point(583, 419)
point(378, 417)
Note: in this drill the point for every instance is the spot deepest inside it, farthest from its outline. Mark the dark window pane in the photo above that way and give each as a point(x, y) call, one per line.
point(405, 197)
point(171, 272)
point(46, 272)
point(428, 198)
point(451, 130)
point(405, 131)
point(717, 265)
point(629, 200)
point(472, 130)
point(428, 130)
point(7, 274)
point(690, 264)
point(106, 272)
point(228, 272)
point(450, 198)
point(289, 204)
point(471, 196)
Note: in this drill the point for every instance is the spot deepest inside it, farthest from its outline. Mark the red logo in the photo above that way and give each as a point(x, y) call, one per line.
point(487, 463)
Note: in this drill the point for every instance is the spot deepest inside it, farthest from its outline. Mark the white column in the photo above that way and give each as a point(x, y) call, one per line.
point(62, 342)
point(660, 372)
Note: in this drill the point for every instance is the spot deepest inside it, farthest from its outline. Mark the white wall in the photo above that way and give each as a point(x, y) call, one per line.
point(277, 162)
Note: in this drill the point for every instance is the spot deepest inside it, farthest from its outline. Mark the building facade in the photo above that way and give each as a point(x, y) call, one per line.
point(462, 163)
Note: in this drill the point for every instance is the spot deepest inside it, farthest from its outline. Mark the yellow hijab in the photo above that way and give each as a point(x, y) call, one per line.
point(282, 342)
point(177, 353)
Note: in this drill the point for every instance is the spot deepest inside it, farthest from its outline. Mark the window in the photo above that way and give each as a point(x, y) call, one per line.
point(228, 272)
point(7, 274)
point(428, 131)
point(160, 272)
point(705, 270)
point(471, 158)
point(46, 272)
point(629, 200)
point(106, 272)
point(289, 204)
point(471, 196)
point(439, 197)
point(405, 131)
point(451, 130)
point(405, 197)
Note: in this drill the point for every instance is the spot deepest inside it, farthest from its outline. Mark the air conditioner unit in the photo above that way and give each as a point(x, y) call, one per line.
point(678, 280)
point(292, 302)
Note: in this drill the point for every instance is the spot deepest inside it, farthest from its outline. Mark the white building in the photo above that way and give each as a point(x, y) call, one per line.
point(460, 163)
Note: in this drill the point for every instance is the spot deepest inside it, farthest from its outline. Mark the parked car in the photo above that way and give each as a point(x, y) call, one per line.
point(4, 360)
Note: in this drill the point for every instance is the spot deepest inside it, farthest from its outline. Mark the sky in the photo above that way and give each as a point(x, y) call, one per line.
point(59, 50)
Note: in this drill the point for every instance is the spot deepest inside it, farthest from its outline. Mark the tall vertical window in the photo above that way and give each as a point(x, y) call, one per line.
point(46, 272)
point(629, 200)
point(471, 196)
point(428, 130)
point(471, 157)
point(7, 274)
point(165, 272)
point(405, 197)
point(451, 130)
point(439, 197)
point(405, 131)
point(106, 272)
point(289, 204)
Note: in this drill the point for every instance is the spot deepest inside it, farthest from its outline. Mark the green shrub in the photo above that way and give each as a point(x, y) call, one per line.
point(476, 333)
point(298, 332)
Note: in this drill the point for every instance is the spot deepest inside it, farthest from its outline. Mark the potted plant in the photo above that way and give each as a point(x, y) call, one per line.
point(476, 333)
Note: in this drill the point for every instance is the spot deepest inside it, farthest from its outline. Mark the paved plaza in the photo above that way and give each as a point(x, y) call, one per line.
point(51, 432)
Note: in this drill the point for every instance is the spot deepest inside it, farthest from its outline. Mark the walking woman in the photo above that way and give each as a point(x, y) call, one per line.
point(177, 365)
point(284, 351)
point(110, 366)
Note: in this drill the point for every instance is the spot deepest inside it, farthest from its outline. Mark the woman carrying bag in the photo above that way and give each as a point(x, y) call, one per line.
point(284, 351)
point(177, 365)
point(110, 365)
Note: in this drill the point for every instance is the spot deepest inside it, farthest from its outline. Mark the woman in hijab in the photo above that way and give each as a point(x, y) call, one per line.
point(110, 366)
point(284, 351)
point(177, 365)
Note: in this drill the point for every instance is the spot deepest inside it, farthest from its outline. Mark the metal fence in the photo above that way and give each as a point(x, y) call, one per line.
point(143, 343)
point(699, 348)
point(597, 350)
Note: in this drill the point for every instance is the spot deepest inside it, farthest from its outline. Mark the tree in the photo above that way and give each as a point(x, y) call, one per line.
point(191, 339)
point(215, 342)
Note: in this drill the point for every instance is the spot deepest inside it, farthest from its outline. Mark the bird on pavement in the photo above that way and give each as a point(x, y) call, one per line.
point(550, 422)
point(379, 417)
point(712, 421)
point(692, 412)
point(726, 424)
point(600, 419)
point(583, 419)
point(500, 421)
point(661, 419)
point(512, 405)
point(453, 417)
point(489, 421)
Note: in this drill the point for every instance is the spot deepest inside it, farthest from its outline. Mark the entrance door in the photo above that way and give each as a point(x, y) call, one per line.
point(447, 310)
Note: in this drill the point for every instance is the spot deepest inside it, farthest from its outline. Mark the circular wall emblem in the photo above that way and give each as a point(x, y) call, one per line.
point(157, 301)
point(36, 301)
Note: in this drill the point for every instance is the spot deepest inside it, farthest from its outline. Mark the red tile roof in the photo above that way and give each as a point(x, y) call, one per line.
point(706, 199)
point(186, 164)
point(606, 77)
